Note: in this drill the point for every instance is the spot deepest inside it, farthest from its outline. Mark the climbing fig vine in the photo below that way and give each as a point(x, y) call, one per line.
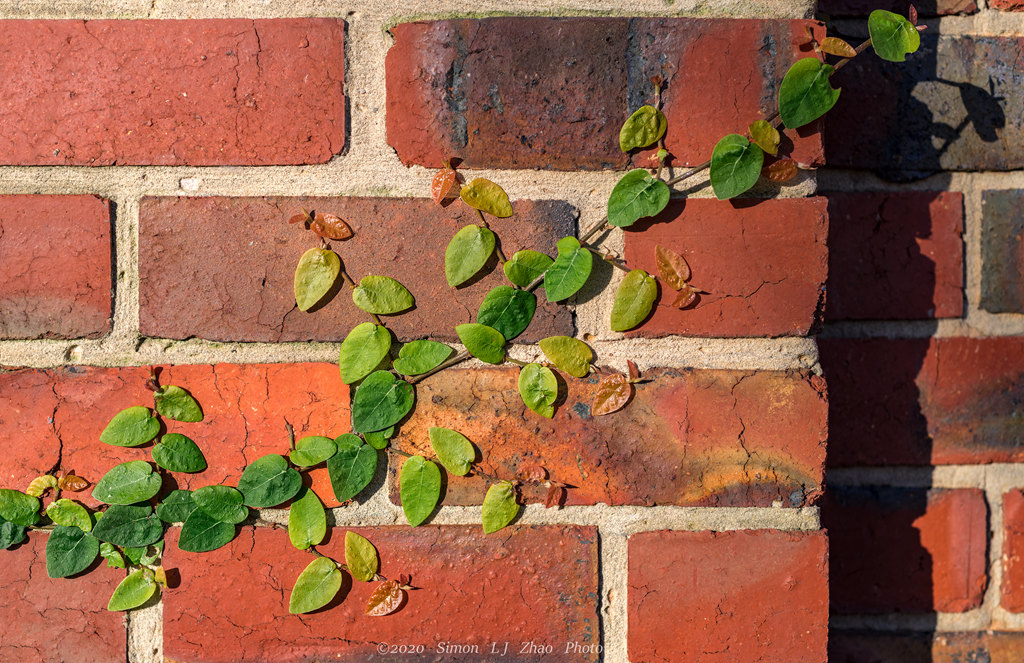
point(127, 530)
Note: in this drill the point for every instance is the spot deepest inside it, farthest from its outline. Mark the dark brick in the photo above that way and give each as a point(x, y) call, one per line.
point(956, 104)
point(721, 597)
point(895, 256)
point(172, 92)
point(535, 584)
point(906, 549)
point(222, 268)
point(924, 7)
point(1002, 251)
point(907, 647)
point(538, 92)
point(891, 405)
point(689, 437)
point(763, 264)
point(55, 270)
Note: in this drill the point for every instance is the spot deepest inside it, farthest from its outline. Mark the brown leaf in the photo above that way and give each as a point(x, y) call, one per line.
point(556, 494)
point(442, 184)
point(404, 579)
point(912, 15)
point(837, 46)
point(613, 392)
point(330, 226)
point(300, 218)
point(385, 599)
point(809, 34)
point(72, 483)
point(534, 473)
point(672, 267)
point(686, 296)
point(634, 372)
point(782, 170)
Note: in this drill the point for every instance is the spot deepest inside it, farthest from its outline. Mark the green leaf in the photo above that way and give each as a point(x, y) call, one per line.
point(806, 93)
point(132, 525)
point(137, 555)
point(222, 503)
point(69, 513)
point(483, 342)
point(69, 550)
point(637, 194)
point(362, 351)
point(176, 403)
point(18, 508)
point(131, 427)
point(892, 36)
point(176, 507)
point(633, 300)
point(418, 357)
point(381, 295)
point(765, 136)
point(569, 354)
point(360, 557)
point(307, 520)
point(644, 127)
point(352, 468)
point(570, 270)
point(128, 483)
point(318, 583)
point(315, 275)
point(312, 450)
point(10, 534)
point(526, 266)
point(500, 507)
point(177, 453)
point(420, 488)
point(735, 166)
point(467, 253)
point(453, 449)
point(133, 591)
point(538, 387)
point(487, 196)
point(508, 310)
point(203, 533)
point(381, 400)
point(378, 439)
point(268, 481)
point(113, 556)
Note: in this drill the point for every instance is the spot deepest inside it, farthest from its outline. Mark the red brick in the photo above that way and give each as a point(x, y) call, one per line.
point(1007, 5)
point(728, 596)
point(895, 256)
point(906, 549)
point(63, 411)
point(928, 8)
point(558, 98)
point(891, 405)
point(527, 583)
point(906, 647)
point(55, 275)
point(45, 619)
point(187, 289)
point(763, 264)
point(1013, 551)
point(172, 92)
point(689, 437)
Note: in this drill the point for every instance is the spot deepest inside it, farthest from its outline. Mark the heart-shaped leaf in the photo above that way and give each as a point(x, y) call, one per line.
point(418, 357)
point(500, 506)
point(312, 450)
point(131, 427)
point(222, 503)
point(18, 508)
point(420, 488)
point(569, 354)
point(765, 136)
point(453, 449)
point(69, 514)
point(176, 507)
point(570, 270)
point(735, 166)
point(612, 394)
point(307, 520)
point(315, 275)
point(178, 453)
point(176, 403)
point(202, 533)
point(128, 483)
point(385, 599)
point(10, 534)
point(381, 400)
point(508, 310)
point(637, 194)
point(806, 93)
point(360, 557)
point(483, 342)
point(467, 253)
point(672, 267)
point(268, 481)
point(525, 266)
point(362, 351)
point(892, 36)
point(129, 526)
point(633, 300)
point(487, 196)
point(318, 583)
point(538, 388)
point(644, 127)
point(133, 591)
point(352, 468)
point(381, 295)
point(378, 439)
point(69, 550)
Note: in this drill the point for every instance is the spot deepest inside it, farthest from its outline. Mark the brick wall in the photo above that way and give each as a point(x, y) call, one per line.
point(150, 154)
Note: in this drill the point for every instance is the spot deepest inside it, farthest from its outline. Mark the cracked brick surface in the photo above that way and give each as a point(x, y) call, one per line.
point(55, 269)
point(924, 401)
point(762, 263)
point(223, 268)
point(63, 411)
point(689, 437)
point(757, 596)
point(536, 583)
point(558, 98)
point(57, 619)
point(895, 256)
point(172, 92)
point(906, 549)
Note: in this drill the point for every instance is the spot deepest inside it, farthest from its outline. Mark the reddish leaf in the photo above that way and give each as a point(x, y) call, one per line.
point(300, 218)
point(686, 296)
point(613, 392)
point(913, 15)
point(556, 494)
point(330, 226)
point(672, 267)
point(442, 185)
point(72, 483)
point(837, 46)
point(634, 372)
point(385, 599)
point(782, 170)
point(534, 473)
point(405, 579)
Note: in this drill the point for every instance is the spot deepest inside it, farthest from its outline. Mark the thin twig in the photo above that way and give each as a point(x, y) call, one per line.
point(352, 285)
point(497, 248)
point(457, 359)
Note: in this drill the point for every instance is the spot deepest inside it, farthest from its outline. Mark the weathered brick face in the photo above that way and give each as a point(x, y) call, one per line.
point(1002, 251)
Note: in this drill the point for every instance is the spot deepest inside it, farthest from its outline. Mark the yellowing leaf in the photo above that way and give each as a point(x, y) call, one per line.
point(765, 136)
point(39, 485)
point(318, 583)
point(385, 599)
point(837, 46)
point(672, 267)
point(360, 557)
point(613, 392)
point(487, 196)
point(500, 506)
point(453, 449)
point(315, 275)
point(644, 127)
point(569, 354)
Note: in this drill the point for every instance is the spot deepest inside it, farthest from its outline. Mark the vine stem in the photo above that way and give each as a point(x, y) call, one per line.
point(457, 359)
point(497, 249)
point(352, 285)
